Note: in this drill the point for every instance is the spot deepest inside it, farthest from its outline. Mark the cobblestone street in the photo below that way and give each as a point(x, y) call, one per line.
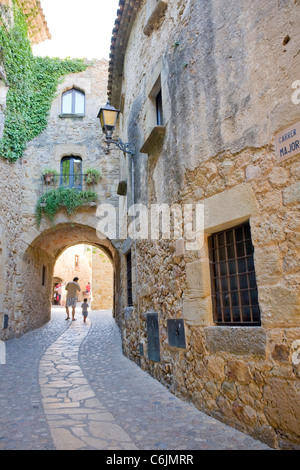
point(68, 386)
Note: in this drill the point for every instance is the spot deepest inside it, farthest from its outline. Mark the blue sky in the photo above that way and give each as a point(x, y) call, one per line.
point(78, 28)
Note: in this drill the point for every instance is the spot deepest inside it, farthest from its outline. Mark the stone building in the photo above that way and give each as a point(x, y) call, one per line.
point(70, 144)
point(209, 95)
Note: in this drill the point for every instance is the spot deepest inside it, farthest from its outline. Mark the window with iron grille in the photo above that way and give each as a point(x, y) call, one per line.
point(234, 290)
point(129, 280)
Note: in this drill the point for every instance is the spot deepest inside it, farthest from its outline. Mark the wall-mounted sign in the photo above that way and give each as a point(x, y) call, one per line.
point(153, 337)
point(176, 335)
point(287, 142)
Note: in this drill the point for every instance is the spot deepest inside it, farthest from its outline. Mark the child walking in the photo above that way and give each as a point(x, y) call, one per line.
point(84, 307)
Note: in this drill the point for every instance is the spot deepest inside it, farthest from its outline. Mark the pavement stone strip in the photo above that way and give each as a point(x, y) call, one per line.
point(67, 386)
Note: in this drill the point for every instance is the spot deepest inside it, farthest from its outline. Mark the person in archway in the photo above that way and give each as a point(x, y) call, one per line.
point(58, 293)
point(88, 288)
point(63, 295)
point(84, 307)
point(72, 288)
point(88, 292)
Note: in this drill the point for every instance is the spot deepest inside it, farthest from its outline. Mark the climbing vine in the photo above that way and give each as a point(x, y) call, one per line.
point(32, 83)
point(68, 198)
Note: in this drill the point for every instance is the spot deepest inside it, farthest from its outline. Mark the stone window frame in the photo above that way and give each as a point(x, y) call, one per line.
point(155, 11)
point(219, 214)
point(233, 277)
point(155, 105)
point(65, 150)
point(154, 131)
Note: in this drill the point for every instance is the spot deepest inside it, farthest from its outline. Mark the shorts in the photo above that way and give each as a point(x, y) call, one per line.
point(71, 302)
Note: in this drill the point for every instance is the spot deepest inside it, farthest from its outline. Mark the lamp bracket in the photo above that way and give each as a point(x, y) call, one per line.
point(124, 146)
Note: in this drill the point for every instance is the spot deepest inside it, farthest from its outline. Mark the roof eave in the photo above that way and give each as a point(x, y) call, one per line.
point(38, 30)
point(126, 15)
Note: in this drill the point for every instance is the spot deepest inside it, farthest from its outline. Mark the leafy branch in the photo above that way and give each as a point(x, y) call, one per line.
point(32, 83)
point(68, 198)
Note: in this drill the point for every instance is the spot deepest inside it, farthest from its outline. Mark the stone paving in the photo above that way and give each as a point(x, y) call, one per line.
point(68, 386)
point(76, 418)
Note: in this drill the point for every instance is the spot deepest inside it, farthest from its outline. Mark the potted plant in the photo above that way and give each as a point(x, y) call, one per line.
point(92, 176)
point(49, 175)
point(69, 198)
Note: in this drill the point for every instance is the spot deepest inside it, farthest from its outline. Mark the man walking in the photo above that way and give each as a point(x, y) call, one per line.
point(72, 288)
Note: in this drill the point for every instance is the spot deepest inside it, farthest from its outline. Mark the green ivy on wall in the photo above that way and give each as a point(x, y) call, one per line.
point(32, 83)
point(55, 199)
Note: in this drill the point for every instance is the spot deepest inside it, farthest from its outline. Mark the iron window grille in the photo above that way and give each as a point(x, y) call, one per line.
point(71, 176)
point(233, 280)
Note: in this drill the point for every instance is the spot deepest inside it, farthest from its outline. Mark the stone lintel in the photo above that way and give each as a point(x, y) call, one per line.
point(229, 208)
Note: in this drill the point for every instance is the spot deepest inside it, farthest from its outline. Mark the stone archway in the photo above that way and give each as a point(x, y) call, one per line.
point(36, 267)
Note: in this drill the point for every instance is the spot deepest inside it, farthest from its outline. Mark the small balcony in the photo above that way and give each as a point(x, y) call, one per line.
point(67, 191)
point(78, 181)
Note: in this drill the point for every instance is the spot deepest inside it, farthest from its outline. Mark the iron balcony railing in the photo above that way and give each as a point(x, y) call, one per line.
point(78, 181)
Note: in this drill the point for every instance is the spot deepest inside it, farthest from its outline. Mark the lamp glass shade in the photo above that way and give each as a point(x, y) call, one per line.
point(108, 117)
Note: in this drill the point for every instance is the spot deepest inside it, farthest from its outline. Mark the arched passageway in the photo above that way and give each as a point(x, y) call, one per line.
point(94, 269)
point(39, 262)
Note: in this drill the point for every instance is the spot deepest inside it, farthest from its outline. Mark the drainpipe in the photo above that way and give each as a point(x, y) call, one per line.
point(135, 248)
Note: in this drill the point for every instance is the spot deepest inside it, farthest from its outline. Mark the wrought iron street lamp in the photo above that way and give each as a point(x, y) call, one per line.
point(108, 116)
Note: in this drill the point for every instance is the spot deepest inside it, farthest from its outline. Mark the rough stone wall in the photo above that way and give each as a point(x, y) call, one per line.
point(10, 227)
point(226, 71)
point(21, 271)
point(102, 285)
